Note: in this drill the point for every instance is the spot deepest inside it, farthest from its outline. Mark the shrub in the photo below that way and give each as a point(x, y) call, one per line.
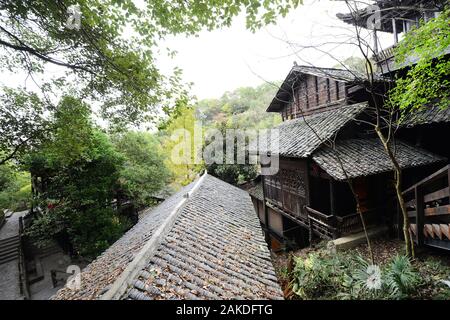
point(342, 275)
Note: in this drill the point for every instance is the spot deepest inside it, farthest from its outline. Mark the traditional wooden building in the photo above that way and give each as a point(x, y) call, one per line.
point(428, 200)
point(324, 145)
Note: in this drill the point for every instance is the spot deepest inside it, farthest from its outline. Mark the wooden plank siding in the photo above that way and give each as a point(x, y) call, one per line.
point(313, 94)
point(288, 189)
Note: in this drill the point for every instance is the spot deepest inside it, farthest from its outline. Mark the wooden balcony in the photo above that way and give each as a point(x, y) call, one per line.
point(385, 59)
point(332, 227)
point(428, 205)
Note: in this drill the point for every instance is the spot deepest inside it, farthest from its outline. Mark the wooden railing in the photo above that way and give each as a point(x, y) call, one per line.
point(428, 203)
point(322, 224)
point(384, 55)
point(331, 226)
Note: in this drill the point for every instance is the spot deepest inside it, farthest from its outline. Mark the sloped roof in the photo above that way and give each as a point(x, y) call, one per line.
point(213, 250)
point(293, 78)
point(256, 190)
point(388, 9)
point(427, 115)
point(298, 138)
point(364, 157)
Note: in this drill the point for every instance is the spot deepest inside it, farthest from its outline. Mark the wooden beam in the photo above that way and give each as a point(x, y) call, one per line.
point(328, 90)
point(438, 174)
point(448, 180)
point(437, 211)
point(443, 193)
point(419, 215)
point(394, 30)
point(332, 202)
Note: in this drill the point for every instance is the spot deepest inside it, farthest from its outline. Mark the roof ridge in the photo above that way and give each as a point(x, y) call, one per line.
point(120, 285)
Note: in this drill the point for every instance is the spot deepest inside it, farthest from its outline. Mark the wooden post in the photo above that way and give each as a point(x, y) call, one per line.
point(394, 30)
point(266, 214)
point(310, 232)
point(448, 179)
point(332, 204)
point(419, 216)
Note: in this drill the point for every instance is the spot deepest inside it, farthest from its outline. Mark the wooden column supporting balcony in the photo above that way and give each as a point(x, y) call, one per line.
point(431, 225)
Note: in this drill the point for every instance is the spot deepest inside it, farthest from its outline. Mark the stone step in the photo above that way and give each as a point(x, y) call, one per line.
point(7, 250)
point(9, 240)
point(9, 257)
point(356, 239)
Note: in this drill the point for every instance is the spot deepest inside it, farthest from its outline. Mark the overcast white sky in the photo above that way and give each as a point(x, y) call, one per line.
point(230, 58)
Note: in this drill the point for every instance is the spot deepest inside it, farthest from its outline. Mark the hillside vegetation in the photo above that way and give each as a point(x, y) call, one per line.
point(243, 108)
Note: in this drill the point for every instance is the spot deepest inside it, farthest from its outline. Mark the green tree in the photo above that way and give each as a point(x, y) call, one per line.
point(22, 123)
point(178, 139)
point(79, 168)
point(426, 81)
point(233, 173)
point(15, 188)
point(144, 172)
point(112, 52)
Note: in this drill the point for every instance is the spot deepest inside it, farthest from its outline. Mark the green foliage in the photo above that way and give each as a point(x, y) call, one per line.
point(15, 189)
point(242, 108)
point(178, 143)
point(316, 277)
point(144, 172)
point(426, 81)
point(112, 57)
point(22, 123)
point(343, 275)
point(234, 173)
point(79, 194)
point(401, 278)
point(80, 168)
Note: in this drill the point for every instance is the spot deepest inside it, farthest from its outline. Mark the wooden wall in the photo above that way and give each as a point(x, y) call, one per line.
point(312, 94)
point(288, 189)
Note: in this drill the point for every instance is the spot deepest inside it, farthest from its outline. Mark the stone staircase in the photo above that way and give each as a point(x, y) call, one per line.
point(9, 249)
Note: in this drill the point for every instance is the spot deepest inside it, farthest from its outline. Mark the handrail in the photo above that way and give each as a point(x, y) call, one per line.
point(320, 214)
point(385, 54)
point(432, 177)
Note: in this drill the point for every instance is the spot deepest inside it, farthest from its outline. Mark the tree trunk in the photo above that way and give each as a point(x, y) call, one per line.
point(409, 247)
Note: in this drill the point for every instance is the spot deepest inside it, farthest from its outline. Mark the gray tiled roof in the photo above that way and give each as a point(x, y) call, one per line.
point(256, 190)
point(427, 115)
point(364, 157)
point(299, 137)
point(215, 249)
point(333, 73)
point(101, 273)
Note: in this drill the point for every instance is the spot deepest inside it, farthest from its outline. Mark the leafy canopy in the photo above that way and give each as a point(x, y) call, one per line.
point(143, 173)
point(426, 81)
point(111, 58)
